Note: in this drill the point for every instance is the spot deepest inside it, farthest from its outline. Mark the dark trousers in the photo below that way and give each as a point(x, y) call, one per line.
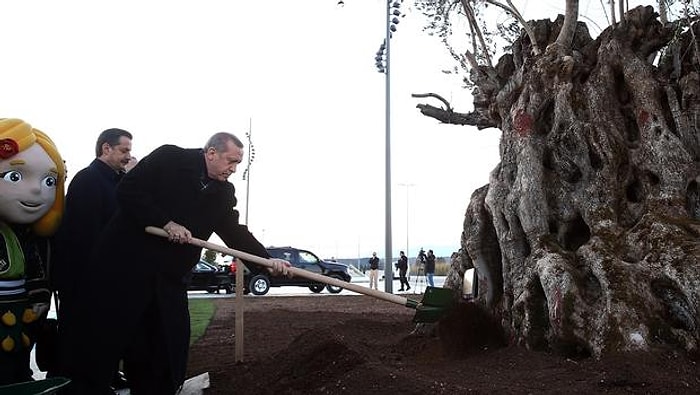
point(402, 278)
point(142, 319)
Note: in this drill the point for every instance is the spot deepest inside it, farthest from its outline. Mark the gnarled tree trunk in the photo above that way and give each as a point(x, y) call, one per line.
point(587, 237)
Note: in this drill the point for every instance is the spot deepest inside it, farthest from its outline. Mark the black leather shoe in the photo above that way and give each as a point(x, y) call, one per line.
point(119, 382)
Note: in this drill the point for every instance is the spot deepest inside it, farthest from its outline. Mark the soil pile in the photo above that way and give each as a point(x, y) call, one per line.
point(361, 345)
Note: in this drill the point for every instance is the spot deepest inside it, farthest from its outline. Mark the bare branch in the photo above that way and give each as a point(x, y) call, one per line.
point(516, 14)
point(469, 11)
point(566, 35)
point(621, 7)
point(435, 95)
point(663, 12)
point(692, 33)
point(612, 11)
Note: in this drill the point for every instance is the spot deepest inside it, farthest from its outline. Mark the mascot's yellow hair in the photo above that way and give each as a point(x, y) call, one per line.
point(25, 136)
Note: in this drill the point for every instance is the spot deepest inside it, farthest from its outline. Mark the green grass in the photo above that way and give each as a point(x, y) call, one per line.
point(201, 313)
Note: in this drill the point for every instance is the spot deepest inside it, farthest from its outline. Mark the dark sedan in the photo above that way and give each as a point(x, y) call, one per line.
point(211, 278)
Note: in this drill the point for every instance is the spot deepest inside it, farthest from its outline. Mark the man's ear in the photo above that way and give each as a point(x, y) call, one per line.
point(104, 147)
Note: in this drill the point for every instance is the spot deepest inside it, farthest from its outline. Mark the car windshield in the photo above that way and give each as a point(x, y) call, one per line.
point(307, 257)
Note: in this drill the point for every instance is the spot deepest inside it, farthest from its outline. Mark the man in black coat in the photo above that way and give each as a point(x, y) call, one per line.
point(136, 292)
point(402, 265)
point(90, 202)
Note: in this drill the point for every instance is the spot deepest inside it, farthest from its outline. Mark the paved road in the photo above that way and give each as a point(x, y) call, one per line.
point(417, 286)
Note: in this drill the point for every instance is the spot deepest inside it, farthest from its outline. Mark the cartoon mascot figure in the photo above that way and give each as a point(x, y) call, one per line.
point(32, 178)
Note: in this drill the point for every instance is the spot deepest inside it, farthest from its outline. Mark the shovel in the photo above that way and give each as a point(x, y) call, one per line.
point(48, 386)
point(436, 301)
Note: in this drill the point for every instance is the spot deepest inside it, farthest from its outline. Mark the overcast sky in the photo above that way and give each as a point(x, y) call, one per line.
point(300, 72)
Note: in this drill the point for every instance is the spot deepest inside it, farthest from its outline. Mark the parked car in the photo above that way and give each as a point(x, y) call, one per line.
point(211, 278)
point(260, 284)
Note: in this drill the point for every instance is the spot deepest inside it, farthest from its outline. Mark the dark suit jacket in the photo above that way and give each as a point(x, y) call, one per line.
point(137, 274)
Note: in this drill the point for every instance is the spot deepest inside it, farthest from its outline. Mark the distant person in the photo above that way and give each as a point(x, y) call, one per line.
point(90, 202)
point(421, 256)
point(136, 298)
point(403, 267)
point(374, 271)
point(430, 267)
point(420, 262)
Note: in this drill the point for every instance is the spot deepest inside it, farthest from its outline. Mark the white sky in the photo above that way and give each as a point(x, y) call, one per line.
point(176, 71)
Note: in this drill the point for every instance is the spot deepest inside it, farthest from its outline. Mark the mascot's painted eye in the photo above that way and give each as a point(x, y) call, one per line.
point(50, 181)
point(12, 176)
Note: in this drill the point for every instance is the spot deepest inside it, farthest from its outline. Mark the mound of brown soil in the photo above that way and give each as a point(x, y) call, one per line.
point(361, 345)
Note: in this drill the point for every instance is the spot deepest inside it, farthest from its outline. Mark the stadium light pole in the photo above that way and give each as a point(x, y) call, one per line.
point(383, 66)
point(246, 173)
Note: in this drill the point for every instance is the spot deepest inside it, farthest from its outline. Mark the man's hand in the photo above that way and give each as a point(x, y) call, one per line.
point(177, 233)
point(280, 267)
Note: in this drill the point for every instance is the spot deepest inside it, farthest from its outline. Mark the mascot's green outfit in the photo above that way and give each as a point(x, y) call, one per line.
point(23, 284)
point(32, 178)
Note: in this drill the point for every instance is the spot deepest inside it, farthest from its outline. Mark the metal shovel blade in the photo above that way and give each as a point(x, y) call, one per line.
point(435, 304)
point(39, 387)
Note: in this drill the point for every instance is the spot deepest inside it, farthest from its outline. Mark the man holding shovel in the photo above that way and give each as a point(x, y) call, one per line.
point(137, 296)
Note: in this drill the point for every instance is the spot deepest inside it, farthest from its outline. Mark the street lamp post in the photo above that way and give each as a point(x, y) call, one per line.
point(388, 256)
point(392, 8)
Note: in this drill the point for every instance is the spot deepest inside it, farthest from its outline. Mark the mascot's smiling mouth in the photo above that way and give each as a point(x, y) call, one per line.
point(31, 205)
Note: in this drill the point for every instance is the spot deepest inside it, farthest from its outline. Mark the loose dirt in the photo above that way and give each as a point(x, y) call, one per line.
point(360, 345)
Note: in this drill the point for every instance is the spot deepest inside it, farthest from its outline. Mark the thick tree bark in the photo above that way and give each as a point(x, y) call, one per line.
point(587, 238)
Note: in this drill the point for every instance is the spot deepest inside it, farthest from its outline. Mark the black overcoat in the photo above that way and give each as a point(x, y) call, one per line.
point(135, 275)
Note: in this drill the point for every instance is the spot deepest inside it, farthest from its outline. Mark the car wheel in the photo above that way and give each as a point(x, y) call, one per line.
point(259, 285)
point(316, 288)
point(332, 288)
point(229, 288)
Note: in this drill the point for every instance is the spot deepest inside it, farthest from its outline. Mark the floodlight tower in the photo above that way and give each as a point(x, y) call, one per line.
point(246, 173)
point(383, 66)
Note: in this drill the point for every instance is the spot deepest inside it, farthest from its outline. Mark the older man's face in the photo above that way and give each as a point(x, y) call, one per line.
point(220, 165)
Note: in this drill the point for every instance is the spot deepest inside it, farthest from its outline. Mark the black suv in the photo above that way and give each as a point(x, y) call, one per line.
point(302, 259)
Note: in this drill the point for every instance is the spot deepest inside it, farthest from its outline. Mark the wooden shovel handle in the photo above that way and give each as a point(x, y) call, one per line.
point(294, 270)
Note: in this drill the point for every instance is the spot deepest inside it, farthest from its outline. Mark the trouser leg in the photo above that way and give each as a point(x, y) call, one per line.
point(146, 360)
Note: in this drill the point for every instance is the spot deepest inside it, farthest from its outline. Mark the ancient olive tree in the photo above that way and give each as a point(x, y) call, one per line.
point(587, 237)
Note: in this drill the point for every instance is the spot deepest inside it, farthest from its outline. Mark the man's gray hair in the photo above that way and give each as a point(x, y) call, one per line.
point(220, 140)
